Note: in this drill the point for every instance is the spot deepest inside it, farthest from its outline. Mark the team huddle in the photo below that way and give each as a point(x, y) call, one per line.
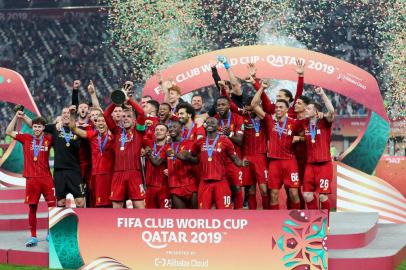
point(175, 155)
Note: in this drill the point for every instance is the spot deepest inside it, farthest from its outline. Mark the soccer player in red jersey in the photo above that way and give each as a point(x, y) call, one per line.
point(214, 153)
point(190, 130)
point(319, 168)
point(283, 169)
point(157, 193)
point(151, 109)
point(299, 147)
point(101, 144)
point(254, 149)
point(38, 176)
point(117, 115)
point(127, 176)
point(181, 177)
point(231, 125)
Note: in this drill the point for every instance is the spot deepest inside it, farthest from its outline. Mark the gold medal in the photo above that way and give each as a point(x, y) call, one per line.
point(35, 158)
point(67, 144)
point(122, 148)
point(210, 159)
point(257, 134)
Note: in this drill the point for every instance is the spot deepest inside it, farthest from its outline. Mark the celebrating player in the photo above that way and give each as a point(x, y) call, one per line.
point(214, 153)
point(127, 177)
point(157, 193)
point(319, 169)
point(38, 176)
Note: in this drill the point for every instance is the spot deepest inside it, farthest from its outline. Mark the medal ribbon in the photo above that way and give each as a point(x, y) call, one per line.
point(123, 137)
point(280, 129)
point(256, 123)
point(210, 148)
point(66, 136)
point(313, 129)
point(154, 152)
point(189, 131)
point(102, 145)
point(35, 147)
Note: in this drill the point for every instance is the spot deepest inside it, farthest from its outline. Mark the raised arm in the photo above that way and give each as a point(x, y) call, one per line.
point(256, 100)
point(10, 131)
point(75, 93)
point(330, 109)
point(300, 80)
point(92, 92)
point(72, 125)
point(140, 112)
point(216, 76)
point(109, 119)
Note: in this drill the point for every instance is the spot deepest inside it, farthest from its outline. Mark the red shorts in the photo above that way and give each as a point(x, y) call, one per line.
point(235, 175)
point(217, 192)
point(184, 192)
point(35, 186)
point(86, 172)
point(318, 177)
point(158, 197)
point(256, 172)
point(283, 172)
point(127, 184)
point(101, 189)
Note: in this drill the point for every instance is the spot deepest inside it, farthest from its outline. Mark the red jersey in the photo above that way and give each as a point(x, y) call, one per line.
point(194, 133)
point(280, 136)
point(155, 174)
point(180, 173)
point(39, 167)
point(127, 149)
point(216, 168)
point(319, 151)
point(85, 155)
point(254, 142)
point(102, 162)
point(236, 125)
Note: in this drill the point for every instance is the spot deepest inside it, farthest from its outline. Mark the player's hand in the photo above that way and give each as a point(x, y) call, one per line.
point(170, 153)
point(252, 70)
point(226, 131)
point(299, 67)
point(20, 114)
point(221, 83)
point(296, 139)
point(72, 109)
point(213, 63)
point(76, 84)
point(90, 88)
point(166, 172)
point(264, 84)
point(147, 150)
point(148, 122)
point(319, 91)
point(320, 115)
point(244, 163)
point(58, 125)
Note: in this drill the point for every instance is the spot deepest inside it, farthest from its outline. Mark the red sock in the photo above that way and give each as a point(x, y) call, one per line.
point(302, 201)
point(32, 219)
point(312, 204)
point(265, 202)
point(252, 201)
point(274, 206)
point(238, 200)
point(295, 205)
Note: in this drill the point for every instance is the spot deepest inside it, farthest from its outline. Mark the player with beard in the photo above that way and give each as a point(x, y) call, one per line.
point(38, 176)
point(127, 177)
point(101, 145)
point(67, 174)
point(231, 125)
point(157, 193)
point(186, 116)
point(281, 132)
point(214, 153)
point(319, 168)
point(181, 178)
point(198, 104)
point(151, 109)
